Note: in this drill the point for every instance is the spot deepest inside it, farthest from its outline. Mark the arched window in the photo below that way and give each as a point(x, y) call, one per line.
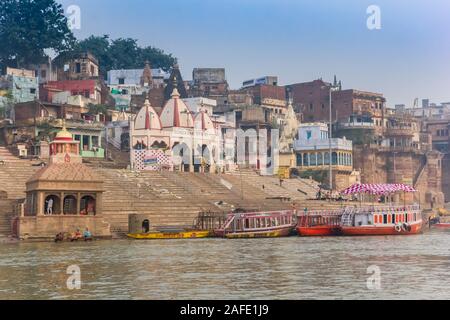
point(299, 159)
point(70, 205)
point(313, 159)
point(327, 158)
point(87, 205)
point(334, 158)
point(320, 159)
point(52, 205)
point(306, 159)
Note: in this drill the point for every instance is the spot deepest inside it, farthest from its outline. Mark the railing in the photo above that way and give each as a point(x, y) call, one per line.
point(318, 144)
point(399, 131)
point(357, 125)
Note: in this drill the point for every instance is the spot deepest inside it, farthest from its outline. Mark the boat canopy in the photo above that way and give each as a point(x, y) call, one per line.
point(378, 189)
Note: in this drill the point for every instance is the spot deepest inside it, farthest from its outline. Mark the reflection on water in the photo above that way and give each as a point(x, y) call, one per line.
point(412, 267)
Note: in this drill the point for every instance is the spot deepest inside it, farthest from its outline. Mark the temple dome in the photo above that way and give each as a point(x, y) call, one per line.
point(203, 121)
point(64, 134)
point(175, 113)
point(147, 118)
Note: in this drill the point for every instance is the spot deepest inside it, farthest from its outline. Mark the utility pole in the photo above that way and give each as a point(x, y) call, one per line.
point(333, 87)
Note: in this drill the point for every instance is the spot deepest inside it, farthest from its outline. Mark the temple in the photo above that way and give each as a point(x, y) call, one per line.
point(64, 196)
point(177, 139)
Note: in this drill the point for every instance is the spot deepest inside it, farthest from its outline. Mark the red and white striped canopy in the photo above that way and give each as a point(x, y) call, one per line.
point(378, 188)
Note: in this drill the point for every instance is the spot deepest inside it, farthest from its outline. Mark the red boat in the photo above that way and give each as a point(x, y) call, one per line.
point(441, 225)
point(319, 224)
point(402, 220)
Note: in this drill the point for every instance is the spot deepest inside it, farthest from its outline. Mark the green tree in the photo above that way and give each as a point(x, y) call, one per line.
point(28, 27)
point(97, 108)
point(121, 53)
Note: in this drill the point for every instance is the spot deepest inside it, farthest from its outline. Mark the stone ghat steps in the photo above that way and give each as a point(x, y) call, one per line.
point(14, 175)
point(6, 212)
point(271, 185)
point(6, 155)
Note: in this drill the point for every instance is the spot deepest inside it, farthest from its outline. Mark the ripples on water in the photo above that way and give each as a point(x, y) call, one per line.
point(412, 267)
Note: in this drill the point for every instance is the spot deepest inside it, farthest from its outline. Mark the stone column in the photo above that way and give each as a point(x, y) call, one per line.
point(98, 203)
point(40, 207)
point(78, 203)
point(81, 143)
point(62, 203)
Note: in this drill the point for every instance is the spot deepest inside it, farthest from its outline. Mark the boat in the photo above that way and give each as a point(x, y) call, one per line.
point(441, 225)
point(389, 220)
point(170, 234)
point(319, 223)
point(381, 220)
point(258, 225)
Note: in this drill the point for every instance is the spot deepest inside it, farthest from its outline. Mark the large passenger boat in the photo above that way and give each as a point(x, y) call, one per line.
point(381, 220)
point(258, 225)
point(389, 220)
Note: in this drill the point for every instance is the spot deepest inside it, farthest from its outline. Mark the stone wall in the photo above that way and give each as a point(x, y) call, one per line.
point(46, 227)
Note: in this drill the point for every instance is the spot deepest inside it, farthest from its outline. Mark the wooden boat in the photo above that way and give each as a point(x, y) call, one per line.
point(319, 223)
point(184, 234)
point(442, 225)
point(258, 225)
point(402, 220)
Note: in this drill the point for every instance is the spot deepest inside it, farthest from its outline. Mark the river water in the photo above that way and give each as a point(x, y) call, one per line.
point(411, 267)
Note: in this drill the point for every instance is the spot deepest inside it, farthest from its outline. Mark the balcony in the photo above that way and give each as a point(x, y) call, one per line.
point(399, 131)
point(357, 125)
point(323, 144)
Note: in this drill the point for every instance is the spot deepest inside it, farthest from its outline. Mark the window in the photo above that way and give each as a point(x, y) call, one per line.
point(306, 159)
point(121, 80)
point(299, 159)
point(327, 158)
point(334, 158)
point(78, 68)
point(33, 91)
point(311, 107)
point(43, 74)
point(313, 159)
point(308, 135)
point(320, 159)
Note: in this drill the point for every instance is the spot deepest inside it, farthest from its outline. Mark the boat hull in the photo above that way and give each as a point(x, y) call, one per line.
point(318, 231)
point(380, 230)
point(284, 232)
point(170, 235)
point(441, 225)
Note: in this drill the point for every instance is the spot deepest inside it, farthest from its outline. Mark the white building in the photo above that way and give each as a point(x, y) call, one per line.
point(312, 148)
point(177, 139)
point(132, 77)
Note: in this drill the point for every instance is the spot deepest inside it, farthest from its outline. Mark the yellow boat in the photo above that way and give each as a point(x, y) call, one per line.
point(195, 234)
point(261, 234)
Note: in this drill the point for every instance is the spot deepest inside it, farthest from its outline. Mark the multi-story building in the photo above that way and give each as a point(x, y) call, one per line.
point(208, 82)
point(269, 80)
point(81, 67)
point(271, 97)
point(312, 100)
point(312, 148)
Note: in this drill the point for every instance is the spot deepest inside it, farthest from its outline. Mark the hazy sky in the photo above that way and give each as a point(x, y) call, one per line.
point(297, 40)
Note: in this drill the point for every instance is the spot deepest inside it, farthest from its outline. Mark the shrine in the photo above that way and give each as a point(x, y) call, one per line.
point(177, 139)
point(64, 196)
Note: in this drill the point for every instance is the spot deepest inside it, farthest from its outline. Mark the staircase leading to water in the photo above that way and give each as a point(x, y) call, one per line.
point(170, 198)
